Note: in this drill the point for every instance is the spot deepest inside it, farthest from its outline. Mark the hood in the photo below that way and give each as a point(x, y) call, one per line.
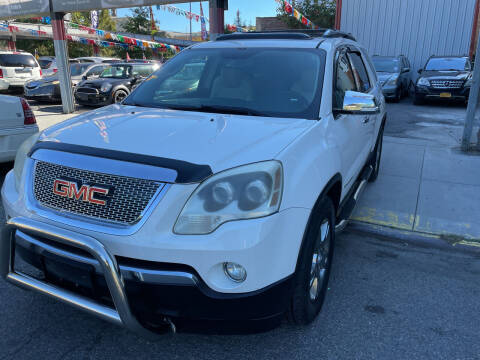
point(453, 75)
point(97, 83)
point(220, 141)
point(385, 76)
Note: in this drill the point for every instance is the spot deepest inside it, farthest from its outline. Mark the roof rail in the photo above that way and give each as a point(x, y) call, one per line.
point(299, 34)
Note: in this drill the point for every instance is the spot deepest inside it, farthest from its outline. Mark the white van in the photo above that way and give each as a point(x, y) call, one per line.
point(16, 68)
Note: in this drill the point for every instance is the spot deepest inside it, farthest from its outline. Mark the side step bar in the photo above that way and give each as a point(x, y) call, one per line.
point(351, 203)
point(120, 315)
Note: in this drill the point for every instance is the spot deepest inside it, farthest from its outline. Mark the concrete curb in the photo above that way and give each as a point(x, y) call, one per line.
point(415, 238)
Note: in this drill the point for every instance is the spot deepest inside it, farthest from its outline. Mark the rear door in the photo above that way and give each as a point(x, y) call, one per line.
point(12, 112)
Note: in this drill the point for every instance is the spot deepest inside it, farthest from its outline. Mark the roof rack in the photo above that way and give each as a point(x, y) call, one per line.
point(293, 34)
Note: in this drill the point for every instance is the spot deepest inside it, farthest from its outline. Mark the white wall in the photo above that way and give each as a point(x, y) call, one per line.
point(415, 28)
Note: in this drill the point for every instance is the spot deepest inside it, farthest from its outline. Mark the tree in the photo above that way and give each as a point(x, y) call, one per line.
point(139, 22)
point(320, 12)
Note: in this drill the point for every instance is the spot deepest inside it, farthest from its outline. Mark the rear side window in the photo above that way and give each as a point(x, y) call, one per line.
point(45, 64)
point(17, 60)
point(344, 81)
point(144, 70)
point(360, 72)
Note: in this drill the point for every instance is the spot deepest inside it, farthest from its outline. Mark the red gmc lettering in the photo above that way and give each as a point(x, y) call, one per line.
point(60, 187)
point(74, 193)
point(91, 195)
point(85, 193)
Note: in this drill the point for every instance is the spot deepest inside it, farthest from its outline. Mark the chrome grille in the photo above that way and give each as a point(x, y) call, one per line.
point(130, 198)
point(446, 84)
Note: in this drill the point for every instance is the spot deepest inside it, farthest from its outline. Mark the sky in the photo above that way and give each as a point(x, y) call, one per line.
point(249, 10)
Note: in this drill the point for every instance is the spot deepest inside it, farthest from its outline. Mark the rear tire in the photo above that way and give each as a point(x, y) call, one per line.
point(377, 157)
point(315, 261)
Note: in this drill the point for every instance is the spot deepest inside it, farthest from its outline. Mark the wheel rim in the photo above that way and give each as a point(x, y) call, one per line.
point(120, 96)
point(320, 261)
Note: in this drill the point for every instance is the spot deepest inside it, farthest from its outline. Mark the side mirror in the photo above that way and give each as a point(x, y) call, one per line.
point(359, 103)
point(84, 77)
point(420, 71)
point(406, 70)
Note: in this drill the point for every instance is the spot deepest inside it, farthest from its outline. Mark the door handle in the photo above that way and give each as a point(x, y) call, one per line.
point(366, 119)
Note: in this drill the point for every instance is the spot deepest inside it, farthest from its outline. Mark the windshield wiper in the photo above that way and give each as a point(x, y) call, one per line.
point(234, 110)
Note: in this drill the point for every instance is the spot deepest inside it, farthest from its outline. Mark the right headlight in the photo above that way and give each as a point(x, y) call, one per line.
point(106, 87)
point(21, 156)
point(246, 192)
point(423, 82)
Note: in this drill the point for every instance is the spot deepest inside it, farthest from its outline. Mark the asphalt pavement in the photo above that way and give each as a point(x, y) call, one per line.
point(386, 301)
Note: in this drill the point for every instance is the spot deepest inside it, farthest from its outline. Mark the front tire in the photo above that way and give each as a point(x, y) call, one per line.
point(119, 96)
point(315, 261)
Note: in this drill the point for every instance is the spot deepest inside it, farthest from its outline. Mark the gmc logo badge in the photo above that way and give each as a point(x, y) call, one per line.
point(86, 193)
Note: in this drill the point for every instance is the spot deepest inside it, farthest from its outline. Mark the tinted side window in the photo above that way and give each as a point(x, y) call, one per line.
point(144, 70)
point(344, 81)
point(360, 72)
point(97, 70)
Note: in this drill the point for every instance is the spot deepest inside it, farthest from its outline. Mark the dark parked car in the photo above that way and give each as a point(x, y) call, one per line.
point(394, 75)
point(444, 77)
point(113, 85)
point(48, 88)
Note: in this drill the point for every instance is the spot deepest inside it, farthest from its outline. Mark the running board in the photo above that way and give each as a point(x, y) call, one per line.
point(351, 203)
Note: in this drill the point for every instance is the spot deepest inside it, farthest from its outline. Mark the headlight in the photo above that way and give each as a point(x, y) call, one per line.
point(246, 192)
point(106, 87)
point(21, 156)
point(468, 83)
point(393, 80)
point(423, 82)
point(56, 82)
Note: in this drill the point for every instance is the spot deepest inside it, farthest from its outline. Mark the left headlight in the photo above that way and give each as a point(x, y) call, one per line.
point(423, 82)
point(21, 156)
point(246, 192)
point(106, 87)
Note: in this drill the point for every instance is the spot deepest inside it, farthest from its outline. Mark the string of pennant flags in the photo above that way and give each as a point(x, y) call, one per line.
point(189, 15)
point(289, 9)
point(113, 39)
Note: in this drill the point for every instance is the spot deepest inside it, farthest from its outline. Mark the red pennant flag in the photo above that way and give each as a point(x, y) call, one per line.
point(288, 8)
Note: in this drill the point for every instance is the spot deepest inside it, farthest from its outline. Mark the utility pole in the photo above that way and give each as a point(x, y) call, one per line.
point(190, 22)
point(472, 101)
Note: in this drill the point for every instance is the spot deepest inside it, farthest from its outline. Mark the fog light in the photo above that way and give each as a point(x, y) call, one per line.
point(235, 272)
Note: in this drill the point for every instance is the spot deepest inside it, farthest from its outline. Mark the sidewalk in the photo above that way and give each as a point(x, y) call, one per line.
point(424, 188)
point(48, 115)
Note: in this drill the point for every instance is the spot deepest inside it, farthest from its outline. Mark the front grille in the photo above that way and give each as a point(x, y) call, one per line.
point(86, 90)
point(446, 84)
point(130, 196)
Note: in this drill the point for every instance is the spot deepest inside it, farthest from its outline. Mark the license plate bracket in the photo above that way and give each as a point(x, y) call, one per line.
point(445, 95)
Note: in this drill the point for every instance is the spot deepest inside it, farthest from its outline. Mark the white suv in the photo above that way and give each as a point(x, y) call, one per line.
point(16, 68)
point(213, 192)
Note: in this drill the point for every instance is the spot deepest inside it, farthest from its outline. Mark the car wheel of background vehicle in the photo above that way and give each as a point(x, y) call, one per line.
point(418, 100)
point(376, 159)
point(119, 96)
point(315, 261)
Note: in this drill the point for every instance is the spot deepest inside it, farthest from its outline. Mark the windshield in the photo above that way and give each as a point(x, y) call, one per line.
point(17, 60)
point(78, 69)
point(117, 72)
point(252, 81)
point(454, 64)
point(386, 65)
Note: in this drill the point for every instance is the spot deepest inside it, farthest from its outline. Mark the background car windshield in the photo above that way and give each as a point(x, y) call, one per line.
point(267, 82)
point(17, 60)
point(459, 64)
point(78, 69)
point(118, 72)
point(386, 65)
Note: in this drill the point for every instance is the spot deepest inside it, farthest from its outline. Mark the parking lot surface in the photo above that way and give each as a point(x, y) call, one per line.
point(385, 301)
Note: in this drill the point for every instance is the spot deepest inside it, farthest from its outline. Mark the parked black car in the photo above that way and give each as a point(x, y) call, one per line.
point(48, 88)
point(394, 75)
point(444, 77)
point(113, 85)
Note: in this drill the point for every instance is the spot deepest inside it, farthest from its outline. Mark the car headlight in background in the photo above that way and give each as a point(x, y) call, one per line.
point(56, 82)
point(393, 80)
point(246, 192)
point(106, 87)
point(423, 82)
point(21, 156)
point(468, 83)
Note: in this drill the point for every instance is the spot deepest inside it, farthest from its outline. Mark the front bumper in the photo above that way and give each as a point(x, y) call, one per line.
point(92, 99)
point(390, 91)
point(43, 93)
point(428, 92)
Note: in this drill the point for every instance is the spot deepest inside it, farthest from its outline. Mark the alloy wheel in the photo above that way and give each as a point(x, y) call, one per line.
point(320, 261)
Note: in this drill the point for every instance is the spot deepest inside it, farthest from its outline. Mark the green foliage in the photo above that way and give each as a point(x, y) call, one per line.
point(320, 12)
point(43, 47)
point(139, 21)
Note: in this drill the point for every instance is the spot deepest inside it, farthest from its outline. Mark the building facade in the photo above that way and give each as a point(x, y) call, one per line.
point(414, 28)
